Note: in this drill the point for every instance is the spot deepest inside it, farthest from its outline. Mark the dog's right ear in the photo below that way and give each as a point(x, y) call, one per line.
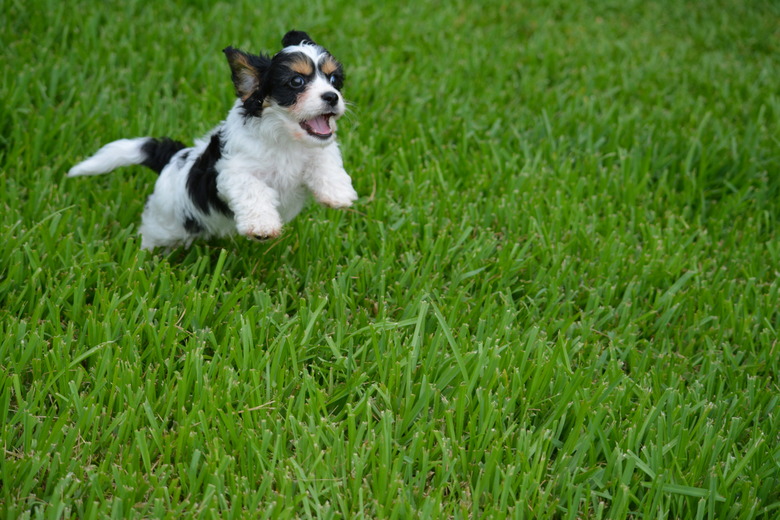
point(296, 38)
point(247, 70)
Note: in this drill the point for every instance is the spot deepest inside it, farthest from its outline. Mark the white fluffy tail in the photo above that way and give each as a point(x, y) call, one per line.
point(123, 152)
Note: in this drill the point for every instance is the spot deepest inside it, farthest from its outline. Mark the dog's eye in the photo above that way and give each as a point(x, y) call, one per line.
point(297, 82)
point(333, 80)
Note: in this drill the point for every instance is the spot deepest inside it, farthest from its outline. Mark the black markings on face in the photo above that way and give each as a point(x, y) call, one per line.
point(284, 77)
point(290, 73)
point(288, 77)
point(302, 65)
point(332, 70)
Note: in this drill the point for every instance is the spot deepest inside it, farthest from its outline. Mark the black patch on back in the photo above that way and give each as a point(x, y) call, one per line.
point(192, 226)
point(202, 179)
point(159, 152)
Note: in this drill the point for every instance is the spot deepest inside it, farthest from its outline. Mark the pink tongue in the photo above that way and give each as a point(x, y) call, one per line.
point(319, 125)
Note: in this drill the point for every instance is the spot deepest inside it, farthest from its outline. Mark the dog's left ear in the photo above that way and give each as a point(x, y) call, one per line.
point(296, 38)
point(247, 71)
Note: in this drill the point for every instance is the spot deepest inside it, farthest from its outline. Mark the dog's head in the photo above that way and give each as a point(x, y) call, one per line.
point(299, 86)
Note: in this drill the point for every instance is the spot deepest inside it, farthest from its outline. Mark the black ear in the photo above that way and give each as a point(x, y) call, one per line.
point(247, 71)
point(295, 38)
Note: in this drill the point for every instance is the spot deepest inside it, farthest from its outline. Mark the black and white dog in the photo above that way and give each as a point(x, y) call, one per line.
point(253, 172)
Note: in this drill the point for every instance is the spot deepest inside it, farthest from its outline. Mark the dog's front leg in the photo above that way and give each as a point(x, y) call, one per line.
point(254, 204)
point(329, 182)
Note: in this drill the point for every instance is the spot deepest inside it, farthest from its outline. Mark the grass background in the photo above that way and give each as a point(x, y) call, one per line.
point(556, 298)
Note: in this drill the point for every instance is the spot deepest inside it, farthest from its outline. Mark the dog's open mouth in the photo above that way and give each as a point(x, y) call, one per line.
point(318, 126)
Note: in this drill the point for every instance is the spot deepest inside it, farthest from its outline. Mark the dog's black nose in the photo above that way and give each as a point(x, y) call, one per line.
point(331, 98)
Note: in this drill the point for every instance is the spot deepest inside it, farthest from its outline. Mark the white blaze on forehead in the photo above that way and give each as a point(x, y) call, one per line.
point(312, 51)
point(322, 59)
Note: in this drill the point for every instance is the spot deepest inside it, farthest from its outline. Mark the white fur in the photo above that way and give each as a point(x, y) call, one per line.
point(268, 166)
point(123, 152)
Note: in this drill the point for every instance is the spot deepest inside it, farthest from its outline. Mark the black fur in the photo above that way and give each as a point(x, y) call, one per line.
point(295, 38)
point(159, 152)
point(183, 158)
point(257, 77)
point(277, 81)
point(253, 106)
point(242, 67)
point(193, 226)
point(202, 179)
point(338, 77)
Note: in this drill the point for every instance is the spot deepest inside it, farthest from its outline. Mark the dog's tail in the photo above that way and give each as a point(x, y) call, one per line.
point(150, 152)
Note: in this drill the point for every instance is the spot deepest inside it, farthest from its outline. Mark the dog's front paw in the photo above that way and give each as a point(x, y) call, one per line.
point(337, 196)
point(260, 231)
point(264, 238)
point(263, 234)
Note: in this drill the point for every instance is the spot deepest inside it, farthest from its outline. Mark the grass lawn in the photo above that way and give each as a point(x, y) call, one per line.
point(557, 297)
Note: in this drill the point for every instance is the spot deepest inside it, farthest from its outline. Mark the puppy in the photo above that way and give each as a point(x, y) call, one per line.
point(253, 172)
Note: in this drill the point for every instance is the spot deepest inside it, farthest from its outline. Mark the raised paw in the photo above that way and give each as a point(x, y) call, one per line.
point(263, 234)
point(265, 231)
point(263, 238)
point(337, 197)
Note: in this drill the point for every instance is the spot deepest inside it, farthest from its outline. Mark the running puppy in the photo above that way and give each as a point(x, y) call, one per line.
point(251, 174)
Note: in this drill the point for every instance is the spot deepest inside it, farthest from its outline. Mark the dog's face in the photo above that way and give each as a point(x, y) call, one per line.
point(299, 87)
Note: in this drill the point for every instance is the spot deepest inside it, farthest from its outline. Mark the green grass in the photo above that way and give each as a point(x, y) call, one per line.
point(558, 296)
